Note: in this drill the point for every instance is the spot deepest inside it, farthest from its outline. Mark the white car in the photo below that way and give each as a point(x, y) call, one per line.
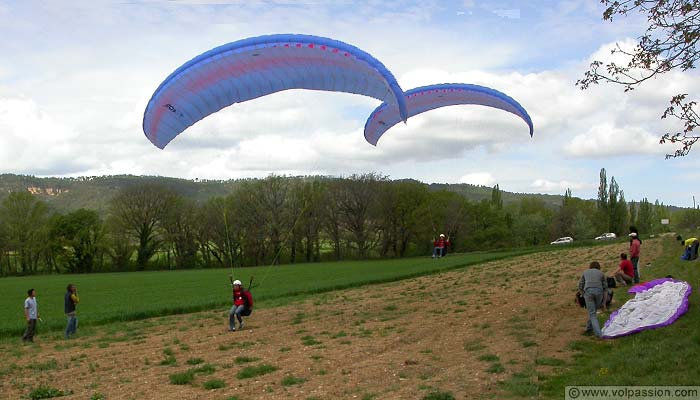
point(563, 240)
point(606, 236)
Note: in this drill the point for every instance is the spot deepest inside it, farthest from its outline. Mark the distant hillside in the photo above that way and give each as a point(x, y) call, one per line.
point(478, 193)
point(95, 192)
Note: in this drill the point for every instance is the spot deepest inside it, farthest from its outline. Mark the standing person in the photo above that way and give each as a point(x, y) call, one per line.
point(625, 274)
point(440, 246)
point(70, 300)
point(635, 244)
point(31, 313)
point(593, 285)
point(242, 306)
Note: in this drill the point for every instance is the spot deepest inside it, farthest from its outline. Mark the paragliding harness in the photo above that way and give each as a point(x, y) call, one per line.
point(247, 299)
point(581, 301)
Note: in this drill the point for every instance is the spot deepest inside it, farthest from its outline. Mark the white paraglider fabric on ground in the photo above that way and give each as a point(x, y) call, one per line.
point(657, 304)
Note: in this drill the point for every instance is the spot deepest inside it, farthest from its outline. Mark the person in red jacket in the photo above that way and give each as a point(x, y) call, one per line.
point(242, 306)
point(635, 244)
point(440, 246)
point(625, 274)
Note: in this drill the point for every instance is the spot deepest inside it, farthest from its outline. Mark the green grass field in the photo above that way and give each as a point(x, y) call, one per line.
point(135, 295)
point(666, 356)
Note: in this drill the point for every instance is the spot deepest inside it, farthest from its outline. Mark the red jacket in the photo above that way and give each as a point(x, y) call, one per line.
point(627, 267)
point(243, 297)
point(441, 243)
point(634, 248)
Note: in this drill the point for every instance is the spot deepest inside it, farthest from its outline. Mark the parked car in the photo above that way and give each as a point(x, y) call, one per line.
point(563, 240)
point(606, 236)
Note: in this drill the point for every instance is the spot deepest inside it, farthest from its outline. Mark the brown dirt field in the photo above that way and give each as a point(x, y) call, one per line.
point(467, 332)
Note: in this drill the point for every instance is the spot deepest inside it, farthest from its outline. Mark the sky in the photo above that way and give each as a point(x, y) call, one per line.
point(75, 78)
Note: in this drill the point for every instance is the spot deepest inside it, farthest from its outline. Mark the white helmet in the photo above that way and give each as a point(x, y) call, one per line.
point(442, 235)
point(237, 282)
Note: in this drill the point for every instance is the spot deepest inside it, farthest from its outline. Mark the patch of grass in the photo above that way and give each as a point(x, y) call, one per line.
point(182, 378)
point(496, 368)
point(46, 366)
point(9, 369)
point(339, 335)
point(285, 349)
point(298, 318)
point(213, 384)
point(290, 380)
point(364, 333)
point(529, 343)
point(194, 361)
point(309, 341)
point(489, 357)
point(554, 362)
point(253, 371)
point(206, 369)
point(472, 345)
point(521, 385)
point(47, 392)
point(169, 360)
point(97, 396)
point(391, 307)
point(245, 360)
point(437, 395)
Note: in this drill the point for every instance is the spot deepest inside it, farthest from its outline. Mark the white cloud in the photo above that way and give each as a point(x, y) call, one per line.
point(478, 178)
point(32, 141)
point(545, 185)
point(605, 140)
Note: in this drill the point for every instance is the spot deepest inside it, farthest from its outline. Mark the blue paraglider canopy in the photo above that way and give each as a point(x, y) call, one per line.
point(255, 67)
point(428, 98)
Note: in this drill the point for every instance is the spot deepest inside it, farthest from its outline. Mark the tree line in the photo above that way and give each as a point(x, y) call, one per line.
point(291, 220)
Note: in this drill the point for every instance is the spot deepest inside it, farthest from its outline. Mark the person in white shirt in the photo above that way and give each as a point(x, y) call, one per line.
point(31, 314)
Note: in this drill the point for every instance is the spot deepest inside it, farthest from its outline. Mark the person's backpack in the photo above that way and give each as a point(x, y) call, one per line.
point(580, 300)
point(248, 302)
point(612, 283)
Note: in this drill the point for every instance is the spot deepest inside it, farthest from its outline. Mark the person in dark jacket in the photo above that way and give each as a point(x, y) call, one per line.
point(70, 301)
point(242, 306)
point(593, 285)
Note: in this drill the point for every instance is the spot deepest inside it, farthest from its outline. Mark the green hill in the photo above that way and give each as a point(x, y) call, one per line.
point(95, 192)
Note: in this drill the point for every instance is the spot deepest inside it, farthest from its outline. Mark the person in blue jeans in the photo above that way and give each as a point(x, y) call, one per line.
point(70, 301)
point(594, 287)
point(242, 306)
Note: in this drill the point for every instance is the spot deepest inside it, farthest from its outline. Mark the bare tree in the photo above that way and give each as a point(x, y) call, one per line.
point(139, 210)
point(357, 208)
point(669, 43)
